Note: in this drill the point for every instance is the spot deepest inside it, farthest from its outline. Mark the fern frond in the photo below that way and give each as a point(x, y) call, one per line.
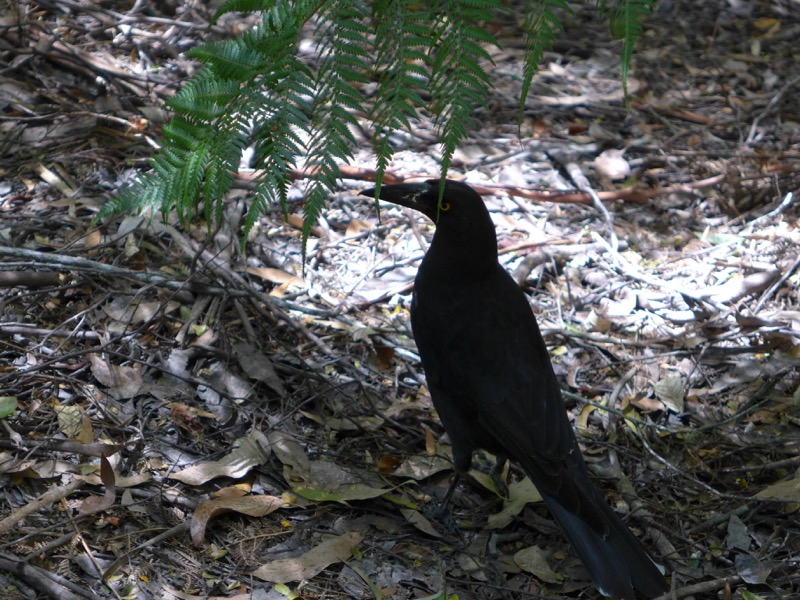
point(400, 56)
point(246, 84)
point(235, 60)
point(459, 82)
point(205, 97)
point(279, 135)
point(344, 35)
point(625, 24)
point(245, 6)
point(254, 90)
point(252, 6)
point(541, 25)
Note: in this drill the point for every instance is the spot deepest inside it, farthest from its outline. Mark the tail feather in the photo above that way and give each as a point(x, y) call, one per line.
point(617, 562)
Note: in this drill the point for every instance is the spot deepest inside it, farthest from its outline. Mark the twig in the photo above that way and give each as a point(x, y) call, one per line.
point(49, 497)
point(628, 271)
point(694, 480)
point(29, 329)
point(178, 529)
point(628, 194)
point(717, 519)
point(81, 264)
point(775, 286)
point(49, 259)
point(29, 279)
point(768, 109)
point(582, 183)
point(699, 588)
point(94, 449)
point(50, 584)
point(778, 210)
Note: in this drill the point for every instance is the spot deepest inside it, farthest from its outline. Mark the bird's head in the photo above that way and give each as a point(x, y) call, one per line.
point(459, 201)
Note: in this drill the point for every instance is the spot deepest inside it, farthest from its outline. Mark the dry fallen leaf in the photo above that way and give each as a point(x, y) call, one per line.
point(738, 287)
point(418, 520)
point(122, 382)
point(306, 566)
point(97, 503)
point(253, 506)
point(70, 419)
point(327, 481)
point(752, 570)
point(534, 561)
point(322, 480)
point(127, 312)
point(612, 165)
point(783, 491)
point(252, 451)
point(278, 277)
point(258, 366)
point(670, 390)
point(520, 493)
point(422, 466)
point(356, 226)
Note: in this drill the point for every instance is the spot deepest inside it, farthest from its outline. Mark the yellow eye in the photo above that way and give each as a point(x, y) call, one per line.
point(445, 206)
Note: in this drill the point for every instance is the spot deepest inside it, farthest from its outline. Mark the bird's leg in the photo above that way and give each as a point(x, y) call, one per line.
point(446, 500)
point(497, 476)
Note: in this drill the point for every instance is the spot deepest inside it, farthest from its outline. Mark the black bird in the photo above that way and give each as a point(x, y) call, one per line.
point(492, 383)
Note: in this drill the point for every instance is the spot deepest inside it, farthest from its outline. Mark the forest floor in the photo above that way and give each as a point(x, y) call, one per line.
point(190, 420)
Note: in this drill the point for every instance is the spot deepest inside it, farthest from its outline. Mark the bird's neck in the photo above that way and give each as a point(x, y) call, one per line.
point(470, 252)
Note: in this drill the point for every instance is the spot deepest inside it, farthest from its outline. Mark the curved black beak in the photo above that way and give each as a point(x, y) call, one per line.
point(405, 194)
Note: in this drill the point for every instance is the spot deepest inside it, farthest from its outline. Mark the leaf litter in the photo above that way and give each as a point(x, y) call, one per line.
point(279, 419)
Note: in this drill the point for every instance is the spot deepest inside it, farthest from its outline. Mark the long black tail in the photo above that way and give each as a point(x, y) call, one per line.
point(617, 562)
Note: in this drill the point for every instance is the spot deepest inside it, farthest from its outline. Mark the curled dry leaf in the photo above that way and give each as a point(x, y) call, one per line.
point(306, 566)
point(253, 506)
point(783, 491)
point(120, 482)
point(534, 561)
point(520, 493)
point(322, 480)
point(96, 503)
point(122, 382)
point(252, 451)
point(612, 165)
point(258, 366)
point(670, 390)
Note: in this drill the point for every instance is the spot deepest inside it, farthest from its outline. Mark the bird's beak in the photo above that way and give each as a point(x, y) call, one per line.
point(404, 194)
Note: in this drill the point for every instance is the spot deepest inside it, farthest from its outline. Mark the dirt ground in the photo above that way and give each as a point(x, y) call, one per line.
point(186, 419)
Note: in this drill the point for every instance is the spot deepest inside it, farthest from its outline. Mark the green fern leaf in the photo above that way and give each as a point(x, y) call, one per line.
point(626, 23)
point(459, 81)
point(541, 25)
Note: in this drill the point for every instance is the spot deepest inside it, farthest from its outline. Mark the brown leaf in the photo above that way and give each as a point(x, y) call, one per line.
point(785, 491)
point(123, 382)
point(258, 366)
point(96, 503)
point(534, 560)
point(388, 464)
point(252, 451)
point(670, 390)
point(306, 566)
point(277, 276)
point(356, 226)
point(253, 506)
